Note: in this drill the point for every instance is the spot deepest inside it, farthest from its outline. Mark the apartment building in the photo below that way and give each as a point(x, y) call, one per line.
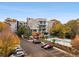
point(13, 24)
point(22, 23)
point(37, 25)
point(51, 23)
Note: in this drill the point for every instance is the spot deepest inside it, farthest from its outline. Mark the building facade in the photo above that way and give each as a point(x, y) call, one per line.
point(13, 24)
point(37, 25)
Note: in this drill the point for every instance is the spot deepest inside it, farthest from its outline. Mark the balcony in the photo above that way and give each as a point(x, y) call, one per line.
point(42, 22)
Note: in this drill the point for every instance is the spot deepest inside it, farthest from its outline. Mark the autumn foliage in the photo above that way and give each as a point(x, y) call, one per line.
point(8, 40)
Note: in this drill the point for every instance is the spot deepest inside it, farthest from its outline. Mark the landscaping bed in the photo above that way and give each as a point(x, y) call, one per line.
point(64, 44)
point(66, 48)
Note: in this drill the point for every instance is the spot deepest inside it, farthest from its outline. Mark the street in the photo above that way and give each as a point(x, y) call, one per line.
point(35, 50)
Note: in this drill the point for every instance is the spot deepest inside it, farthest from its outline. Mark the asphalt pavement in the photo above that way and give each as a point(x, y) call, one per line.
point(35, 50)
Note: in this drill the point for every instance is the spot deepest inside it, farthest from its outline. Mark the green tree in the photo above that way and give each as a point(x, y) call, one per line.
point(56, 28)
point(60, 30)
point(65, 29)
point(24, 30)
point(74, 26)
point(28, 32)
point(21, 30)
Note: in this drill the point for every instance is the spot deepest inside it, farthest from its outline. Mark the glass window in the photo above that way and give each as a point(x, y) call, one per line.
point(44, 22)
point(40, 22)
point(35, 30)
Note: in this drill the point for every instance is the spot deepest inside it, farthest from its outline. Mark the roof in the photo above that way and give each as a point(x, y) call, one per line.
point(10, 20)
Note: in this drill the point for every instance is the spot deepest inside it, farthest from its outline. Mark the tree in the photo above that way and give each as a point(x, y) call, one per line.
point(4, 27)
point(28, 32)
point(24, 30)
point(21, 30)
point(56, 29)
point(73, 25)
point(65, 30)
point(75, 29)
point(60, 30)
point(8, 40)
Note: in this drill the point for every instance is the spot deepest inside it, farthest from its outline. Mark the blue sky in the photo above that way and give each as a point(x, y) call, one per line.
point(62, 11)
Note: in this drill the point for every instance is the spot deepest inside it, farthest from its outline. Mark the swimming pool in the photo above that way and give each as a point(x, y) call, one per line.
point(66, 42)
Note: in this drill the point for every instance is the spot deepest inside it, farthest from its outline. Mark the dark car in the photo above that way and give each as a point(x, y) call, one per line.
point(46, 46)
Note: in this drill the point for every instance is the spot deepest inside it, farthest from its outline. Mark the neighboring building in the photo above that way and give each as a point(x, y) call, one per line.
point(22, 22)
point(37, 25)
point(13, 24)
point(51, 23)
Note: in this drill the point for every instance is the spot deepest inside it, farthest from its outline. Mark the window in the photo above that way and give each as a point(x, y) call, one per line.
point(44, 22)
point(40, 22)
point(44, 29)
point(35, 30)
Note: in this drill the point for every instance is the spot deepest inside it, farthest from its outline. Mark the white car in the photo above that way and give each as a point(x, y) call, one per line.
point(18, 52)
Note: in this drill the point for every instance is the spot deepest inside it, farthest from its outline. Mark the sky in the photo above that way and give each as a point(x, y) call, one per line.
point(62, 11)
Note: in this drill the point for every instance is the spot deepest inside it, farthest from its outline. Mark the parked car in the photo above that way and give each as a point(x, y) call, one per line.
point(47, 46)
point(18, 52)
point(36, 41)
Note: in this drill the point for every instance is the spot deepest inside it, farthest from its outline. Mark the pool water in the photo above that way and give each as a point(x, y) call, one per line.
point(66, 42)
